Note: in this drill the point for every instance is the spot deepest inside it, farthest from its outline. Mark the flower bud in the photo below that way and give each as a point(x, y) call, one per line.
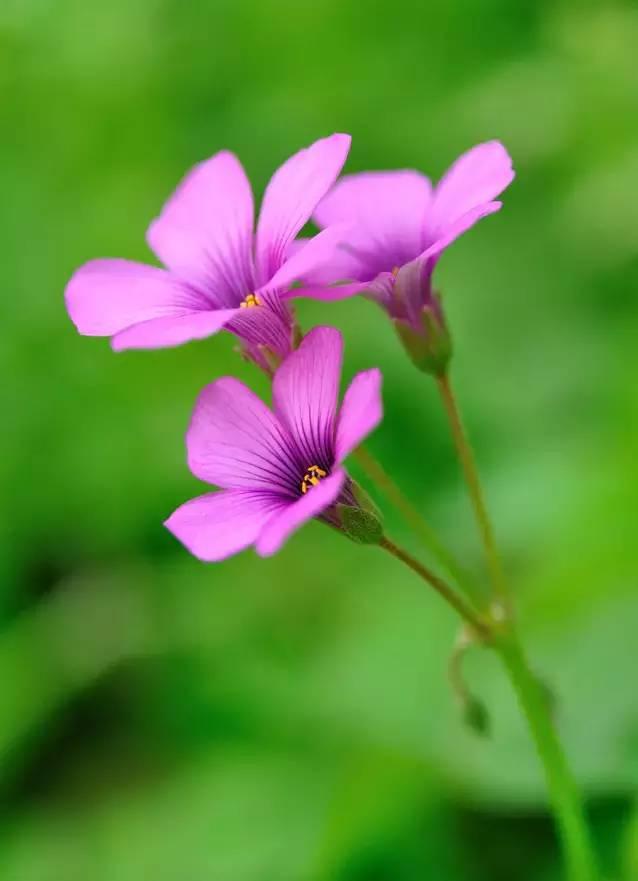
point(475, 715)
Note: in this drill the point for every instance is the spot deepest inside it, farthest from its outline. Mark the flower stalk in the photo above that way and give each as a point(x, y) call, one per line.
point(475, 621)
point(563, 791)
point(500, 636)
point(470, 471)
point(377, 474)
point(580, 860)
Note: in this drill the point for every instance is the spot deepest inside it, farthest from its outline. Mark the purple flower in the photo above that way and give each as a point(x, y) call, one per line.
point(402, 225)
point(218, 272)
point(277, 468)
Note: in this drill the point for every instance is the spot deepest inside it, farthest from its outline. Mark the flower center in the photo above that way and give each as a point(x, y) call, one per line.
point(312, 477)
point(249, 301)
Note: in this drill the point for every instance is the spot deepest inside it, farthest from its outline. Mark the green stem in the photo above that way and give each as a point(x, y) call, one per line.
point(470, 471)
point(478, 625)
point(563, 791)
point(379, 476)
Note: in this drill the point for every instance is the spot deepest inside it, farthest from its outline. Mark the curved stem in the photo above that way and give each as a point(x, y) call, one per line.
point(444, 590)
point(379, 476)
point(565, 798)
point(470, 471)
point(474, 712)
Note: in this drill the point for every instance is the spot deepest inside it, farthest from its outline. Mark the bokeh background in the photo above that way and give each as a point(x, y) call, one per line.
point(290, 719)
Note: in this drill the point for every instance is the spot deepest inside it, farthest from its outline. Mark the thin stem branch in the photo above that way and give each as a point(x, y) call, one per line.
point(470, 471)
point(564, 795)
point(463, 643)
point(379, 476)
point(444, 590)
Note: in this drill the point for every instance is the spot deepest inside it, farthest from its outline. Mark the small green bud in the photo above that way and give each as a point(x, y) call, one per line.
point(363, 527)
point(475, 716)
point(474, 712)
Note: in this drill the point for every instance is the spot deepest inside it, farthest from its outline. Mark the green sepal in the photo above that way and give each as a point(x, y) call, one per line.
point(431, 349)
point(363, 527)
point(364, 500)
point(271, 358)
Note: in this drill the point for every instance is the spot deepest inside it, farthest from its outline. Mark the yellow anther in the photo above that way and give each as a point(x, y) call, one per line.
point(312, 477)
point(249, 301)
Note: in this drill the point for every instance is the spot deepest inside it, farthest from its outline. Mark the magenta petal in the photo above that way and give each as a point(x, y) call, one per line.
point(305, 391)
point(381, 290)
point(290, 518)
point(476, 177)
point(291, 197)
point(234, 441)
point(216, 525)
point(327, 293)
point(456, 229)
point(106, 296)
point(174, 330)
point(205, 231)
point(388, 209)
point(361, 412)
point(339, 266)
point(304, 263)
point(267, 325)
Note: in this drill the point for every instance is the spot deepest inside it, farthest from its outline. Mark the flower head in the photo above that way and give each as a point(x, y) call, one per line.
point(401, 225)
point(276, 468)
point(219, 274)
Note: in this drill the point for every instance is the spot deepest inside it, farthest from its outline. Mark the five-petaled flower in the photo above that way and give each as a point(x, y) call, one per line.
point(277, 468)
point(400, 226)
point(219, 274)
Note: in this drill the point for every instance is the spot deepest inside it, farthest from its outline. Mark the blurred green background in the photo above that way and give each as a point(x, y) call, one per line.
point(290, 719)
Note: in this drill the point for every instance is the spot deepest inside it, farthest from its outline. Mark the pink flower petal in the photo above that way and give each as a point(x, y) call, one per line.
point(361, 412)
point(305, 391)
point(388, 210)
point(265, 325)
point(341, 266)
point(216, 525)
point(325, 292)
point(173, 330)
point(104, 297)
point(306, 261)
point(289, 519)
point(456, 229)
point(234, 441)
point(205, 231)
point(381, 291)
point(476, 177)
point(291, 197)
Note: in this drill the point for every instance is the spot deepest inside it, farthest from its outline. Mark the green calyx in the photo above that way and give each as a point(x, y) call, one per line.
point(362, 526)
point(430, 348)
